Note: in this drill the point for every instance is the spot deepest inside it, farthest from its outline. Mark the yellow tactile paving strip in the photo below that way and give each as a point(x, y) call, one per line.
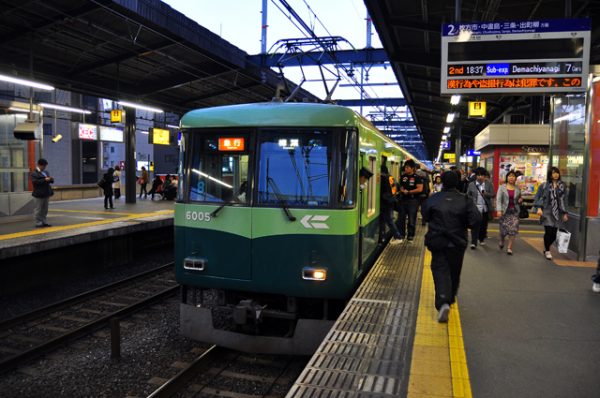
point(41, 231)
point(439, 364)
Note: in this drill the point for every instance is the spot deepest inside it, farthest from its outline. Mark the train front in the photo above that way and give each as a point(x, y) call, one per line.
point(266, 228)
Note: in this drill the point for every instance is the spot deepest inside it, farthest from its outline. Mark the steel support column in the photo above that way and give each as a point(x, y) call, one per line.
point(130, 158)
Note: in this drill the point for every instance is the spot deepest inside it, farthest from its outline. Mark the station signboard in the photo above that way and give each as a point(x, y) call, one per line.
point(88, 132)
point(541, 56)
point(159, 136)
point(111, 134)
point(477, 109)
point(232, 144)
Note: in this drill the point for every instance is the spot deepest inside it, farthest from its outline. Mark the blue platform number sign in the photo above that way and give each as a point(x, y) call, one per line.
point(201, 185)
point(472, 152)
point(446, 145)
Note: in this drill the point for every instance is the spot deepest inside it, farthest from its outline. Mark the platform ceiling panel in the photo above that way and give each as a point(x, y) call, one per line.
point(411, 35)
point(122, 49)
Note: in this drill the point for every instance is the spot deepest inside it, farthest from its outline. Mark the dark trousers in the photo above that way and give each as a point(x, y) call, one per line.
point(446, 266)
point(143, 190)
point(549, 237)
point(107, 200)
point(407, 208)
point(117, 193)
point(387, 218)
point(479, 231)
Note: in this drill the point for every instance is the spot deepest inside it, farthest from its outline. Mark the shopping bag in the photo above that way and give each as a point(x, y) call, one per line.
point(562, 240)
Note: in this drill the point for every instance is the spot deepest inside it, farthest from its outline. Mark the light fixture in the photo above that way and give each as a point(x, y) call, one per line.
point(139, 106)
point(450, 118)
point(143, 132)
point(24, 82)
point(172, 126)
point(16, 109)
point(455, 99)
point(314, 274)
point(65, 108)
point(446, 129)
point(57, 138)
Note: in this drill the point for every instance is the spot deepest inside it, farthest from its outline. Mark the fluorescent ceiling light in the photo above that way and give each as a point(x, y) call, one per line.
point(139, 106)
point(450, 118)
point(24, 82)
point(16, 109)
point(455, 99)
point(144, 132)
point(172, 126)
point(464, 35)
point(446, 129)
point(65, 108)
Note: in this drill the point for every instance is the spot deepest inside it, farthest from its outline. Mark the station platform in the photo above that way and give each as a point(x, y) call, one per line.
point(79, 221)
point(523, 327)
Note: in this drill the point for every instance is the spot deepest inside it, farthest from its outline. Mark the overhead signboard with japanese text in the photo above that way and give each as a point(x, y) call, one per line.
point(543, 56)
point(111, 134)
point(159, 136)
point(88, 132)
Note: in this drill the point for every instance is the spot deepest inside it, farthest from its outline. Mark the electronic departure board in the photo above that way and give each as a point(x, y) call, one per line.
point(515, 56)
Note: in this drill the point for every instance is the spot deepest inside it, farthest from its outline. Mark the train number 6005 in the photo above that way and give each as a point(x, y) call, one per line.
point(197, 215)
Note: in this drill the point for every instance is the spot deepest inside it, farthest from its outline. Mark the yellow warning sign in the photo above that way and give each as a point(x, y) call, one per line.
point(451, 157)
point(116, 116)
point(477, 109)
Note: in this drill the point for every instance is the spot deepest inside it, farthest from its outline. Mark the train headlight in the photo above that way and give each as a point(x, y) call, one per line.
point(314, 274)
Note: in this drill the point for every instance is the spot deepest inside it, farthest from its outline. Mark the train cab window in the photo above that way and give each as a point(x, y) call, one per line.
point(294, 168)
point(218, 174)
point(347, 192)
point(372, 187)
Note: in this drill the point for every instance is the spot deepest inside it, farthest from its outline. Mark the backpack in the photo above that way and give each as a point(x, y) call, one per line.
point(101, 183)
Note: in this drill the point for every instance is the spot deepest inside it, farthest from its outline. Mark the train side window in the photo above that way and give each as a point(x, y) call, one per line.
point(347, 188)
point(372, 187)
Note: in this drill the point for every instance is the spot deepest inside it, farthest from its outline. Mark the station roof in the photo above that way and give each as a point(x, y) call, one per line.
point(142, 51)
point(411, 35)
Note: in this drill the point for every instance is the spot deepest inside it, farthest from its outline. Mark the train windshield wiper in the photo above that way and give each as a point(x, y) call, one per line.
point(282, 202)
point(216, 211)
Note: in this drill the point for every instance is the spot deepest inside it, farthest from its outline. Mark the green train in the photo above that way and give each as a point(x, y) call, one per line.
point(272, 220)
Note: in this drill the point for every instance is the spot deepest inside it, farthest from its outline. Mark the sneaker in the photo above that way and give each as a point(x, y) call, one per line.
point(509, 252)
point(596, 287)
point(548, 255)
point(482, 243)
point(473, 246)
point(395, 241)
point(443, 313)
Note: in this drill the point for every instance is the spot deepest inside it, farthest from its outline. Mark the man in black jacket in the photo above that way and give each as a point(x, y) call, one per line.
point(42, 191)
point(448, 213)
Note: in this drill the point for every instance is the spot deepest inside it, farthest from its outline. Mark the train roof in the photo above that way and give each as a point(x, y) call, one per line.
point(270, 114)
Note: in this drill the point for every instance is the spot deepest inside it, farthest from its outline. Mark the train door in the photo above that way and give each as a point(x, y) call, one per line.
point(368, 211)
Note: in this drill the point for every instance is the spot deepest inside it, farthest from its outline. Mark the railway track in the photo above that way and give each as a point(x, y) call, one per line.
point(222, 372)
point(31, 335)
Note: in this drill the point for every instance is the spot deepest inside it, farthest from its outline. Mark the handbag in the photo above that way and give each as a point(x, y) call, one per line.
point(490, 213)
point(562, 240)
point(523, 212)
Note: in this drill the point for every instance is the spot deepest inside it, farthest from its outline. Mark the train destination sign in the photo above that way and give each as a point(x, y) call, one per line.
point(515, 56)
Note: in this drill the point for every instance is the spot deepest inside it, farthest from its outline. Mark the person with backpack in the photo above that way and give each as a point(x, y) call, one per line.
point(449, 214)
point(411, 187)
point(387, 201)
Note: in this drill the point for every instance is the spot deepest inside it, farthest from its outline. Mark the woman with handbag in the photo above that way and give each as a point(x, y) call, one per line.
point(550, 205)
point(508, 201)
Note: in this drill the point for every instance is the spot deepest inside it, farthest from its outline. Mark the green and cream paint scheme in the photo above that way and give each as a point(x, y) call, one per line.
point(257, 248)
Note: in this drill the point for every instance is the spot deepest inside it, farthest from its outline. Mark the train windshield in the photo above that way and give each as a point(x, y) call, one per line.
point(219, 170)
point(294, 168)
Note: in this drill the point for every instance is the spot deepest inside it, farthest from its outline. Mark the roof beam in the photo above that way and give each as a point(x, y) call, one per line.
point(416, 58)
point(402, 123)
point(366, 56)
point(372, 102)
point(406, 23)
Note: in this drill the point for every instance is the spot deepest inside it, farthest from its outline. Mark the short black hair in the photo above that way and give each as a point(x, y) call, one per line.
point(364, 172)
point(509, 173)
point(410, 163)
point(450, 179)
point(42, 162)
point(480, 171)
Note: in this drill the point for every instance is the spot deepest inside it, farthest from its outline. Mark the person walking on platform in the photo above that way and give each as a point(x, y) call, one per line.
point(156, 184)
point(144, 183)
point(42, 191)
point(426, 186)
point(508, 201)
point(117, 182)
point(437, 184)
point(410, 188)
point(549, 203)
point(481, 193)
point(449, 214)
point(387, 201)
point(107, 186)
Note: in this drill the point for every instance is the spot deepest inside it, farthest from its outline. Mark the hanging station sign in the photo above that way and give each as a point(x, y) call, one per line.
point(88, 132)
point(542, 56)
point(111, 134)
point(159, 136)
point(477, 109)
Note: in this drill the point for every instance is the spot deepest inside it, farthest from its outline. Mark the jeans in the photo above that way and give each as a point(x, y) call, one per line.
point(387, 218)
point(549, 237)
point(41, 211)
point(479, 231)
point(407, 208)
point(446, 266)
